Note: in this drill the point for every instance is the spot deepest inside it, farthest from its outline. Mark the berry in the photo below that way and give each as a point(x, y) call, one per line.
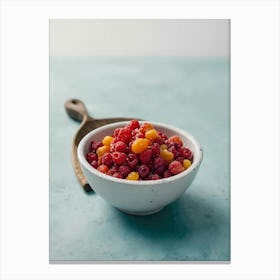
point(94, 163)
point(102, 151)
point(125, 135)
point(118, 175)
point(145, 127)
point(166, 174)
point(140, 135)
point(116, 131)
point(132, 160)
point(159, 140)
point(175, 167)
point(124, 169)
point(103, 168)
point(120, 147)
point(143, 170)
point(163, 147)
point(151, 134)
point(186, 163)
point(134, 124)
point(119, 158)
point(139, 145)
point(146, 156)
point(155, 149)
point(162, 135)
point(139, 152)
point(158, 162)
point(91, 157)
point(166, 155)
point(180, 158)
point(155, 177)
point(186, 153)
point(107, 140)
point(112, 170)
point(107, 159)
point(95, 145)
point(176, 140)
point(173, 150)
point(133, 176)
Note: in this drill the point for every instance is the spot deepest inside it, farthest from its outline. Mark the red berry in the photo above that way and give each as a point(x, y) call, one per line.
point(140, 135)
point(116, 132)
point(155, 177)
point(180, 158)
point(158, 162)
point(125, 135)
point(107, 159)
point(91, 157)
point(160, 170)
point(156, 149)
point(186, 153)
point(143, 170)
point(175, 139)
point(134, 124)
point(175, 167)
point(125, 170)
point(95, 145)
point(94, 163)
point(146, 156)
point(118, 175)
point(112, 170)
point(103, 168)
point(162, 135)
point(119, 158)
point(120, 147)
point(166, 174)
point(132, 160)
point(159, 140)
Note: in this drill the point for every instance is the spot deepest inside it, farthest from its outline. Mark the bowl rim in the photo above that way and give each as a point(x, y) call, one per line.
point(195, 164)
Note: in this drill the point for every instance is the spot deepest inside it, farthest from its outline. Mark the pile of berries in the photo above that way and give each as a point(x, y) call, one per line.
point(139, 152)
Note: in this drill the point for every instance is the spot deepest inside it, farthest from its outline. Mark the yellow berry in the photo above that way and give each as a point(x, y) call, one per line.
point(163, 147)
point(140, 145)
point(166, 155)
point(151, 134)
point(102, 150)
point(107, 140)
point(133, 176)
point(186, 163)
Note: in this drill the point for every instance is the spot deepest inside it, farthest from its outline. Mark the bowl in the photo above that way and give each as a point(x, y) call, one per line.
point(139, 197)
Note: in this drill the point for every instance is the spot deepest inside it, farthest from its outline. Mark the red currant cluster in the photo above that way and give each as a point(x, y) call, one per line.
point(139, 152)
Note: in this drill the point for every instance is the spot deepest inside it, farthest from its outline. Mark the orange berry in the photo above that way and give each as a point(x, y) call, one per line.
point(166, 155)
point(186, 163)
point(107, 140)
point(102, 150)
point(151, 134)
point(145, 127)
point(140, 145)
point(133, 176)
point(103, 168)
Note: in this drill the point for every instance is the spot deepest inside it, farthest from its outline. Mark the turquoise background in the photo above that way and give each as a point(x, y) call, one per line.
point(190, 93)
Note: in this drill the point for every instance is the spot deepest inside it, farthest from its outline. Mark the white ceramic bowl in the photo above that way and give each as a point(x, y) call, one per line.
point(139, 197)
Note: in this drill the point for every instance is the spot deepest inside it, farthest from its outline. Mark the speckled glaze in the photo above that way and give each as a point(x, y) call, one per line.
point(139, 197)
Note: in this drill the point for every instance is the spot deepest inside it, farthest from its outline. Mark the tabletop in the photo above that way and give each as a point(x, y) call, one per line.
point(190, 93)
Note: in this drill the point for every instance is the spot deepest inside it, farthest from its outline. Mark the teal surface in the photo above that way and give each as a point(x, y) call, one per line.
point(190, 93)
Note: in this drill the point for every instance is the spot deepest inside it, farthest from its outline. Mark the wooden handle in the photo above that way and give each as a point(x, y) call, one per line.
point(78, 171)
point(76, 109)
